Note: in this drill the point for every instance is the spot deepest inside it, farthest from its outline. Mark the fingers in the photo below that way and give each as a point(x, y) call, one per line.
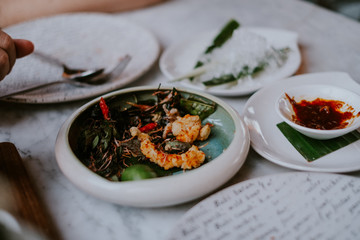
point(4, 63)
point(10, 49)
point(7, 54)
point(23, 47)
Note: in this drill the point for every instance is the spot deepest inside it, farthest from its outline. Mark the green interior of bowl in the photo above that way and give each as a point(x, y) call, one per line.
point(222, 131)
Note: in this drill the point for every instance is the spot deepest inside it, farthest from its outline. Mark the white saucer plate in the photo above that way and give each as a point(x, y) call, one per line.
point(181, 58)
point(267, 140)
point(81, 40)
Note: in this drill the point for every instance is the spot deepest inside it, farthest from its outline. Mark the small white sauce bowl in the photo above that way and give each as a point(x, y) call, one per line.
point(311, 92)
point(229, 147)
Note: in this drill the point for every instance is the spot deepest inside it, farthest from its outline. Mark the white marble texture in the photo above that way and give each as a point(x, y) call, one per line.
point(328, 42)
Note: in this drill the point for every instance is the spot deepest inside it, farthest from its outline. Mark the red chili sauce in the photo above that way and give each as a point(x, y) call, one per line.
point(321, 113)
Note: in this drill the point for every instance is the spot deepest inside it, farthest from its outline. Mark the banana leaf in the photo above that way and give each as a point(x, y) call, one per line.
point(313, 149)
point(224, 35)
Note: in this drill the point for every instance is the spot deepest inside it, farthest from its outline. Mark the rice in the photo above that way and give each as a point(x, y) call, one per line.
point(244, 48)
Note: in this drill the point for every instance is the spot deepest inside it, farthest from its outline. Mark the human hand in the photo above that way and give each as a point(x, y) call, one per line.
point(10, 49)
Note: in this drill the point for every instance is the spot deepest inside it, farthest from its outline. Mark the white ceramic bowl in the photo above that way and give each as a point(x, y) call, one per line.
point(230, 141)
point(309, 93)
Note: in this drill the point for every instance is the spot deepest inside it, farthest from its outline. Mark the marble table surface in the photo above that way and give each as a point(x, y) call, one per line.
point(328, 42)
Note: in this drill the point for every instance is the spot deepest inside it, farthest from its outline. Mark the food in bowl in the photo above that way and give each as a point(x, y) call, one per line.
point(145, 138)
point(225, 152)
point(323, 114)
point(320, 111)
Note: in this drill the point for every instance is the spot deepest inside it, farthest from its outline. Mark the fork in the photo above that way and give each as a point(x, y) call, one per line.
point(67, 71)
point(90, 80)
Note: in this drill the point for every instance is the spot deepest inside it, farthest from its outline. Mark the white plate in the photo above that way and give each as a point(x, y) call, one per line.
point(181, 58)
point(85, 40)
point(285, 206)
point(261, 118)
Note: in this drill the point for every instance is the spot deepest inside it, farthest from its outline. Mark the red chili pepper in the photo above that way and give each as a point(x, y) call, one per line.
point(104, 109)
point(148, 127)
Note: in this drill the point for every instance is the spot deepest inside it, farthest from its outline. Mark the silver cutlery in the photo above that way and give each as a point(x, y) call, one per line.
point(96, 78)
point(68, 72)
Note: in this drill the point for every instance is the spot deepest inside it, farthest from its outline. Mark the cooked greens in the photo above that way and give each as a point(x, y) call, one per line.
point(106, 145)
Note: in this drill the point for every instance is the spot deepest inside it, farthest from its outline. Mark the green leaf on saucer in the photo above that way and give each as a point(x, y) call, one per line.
point(312, 149)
